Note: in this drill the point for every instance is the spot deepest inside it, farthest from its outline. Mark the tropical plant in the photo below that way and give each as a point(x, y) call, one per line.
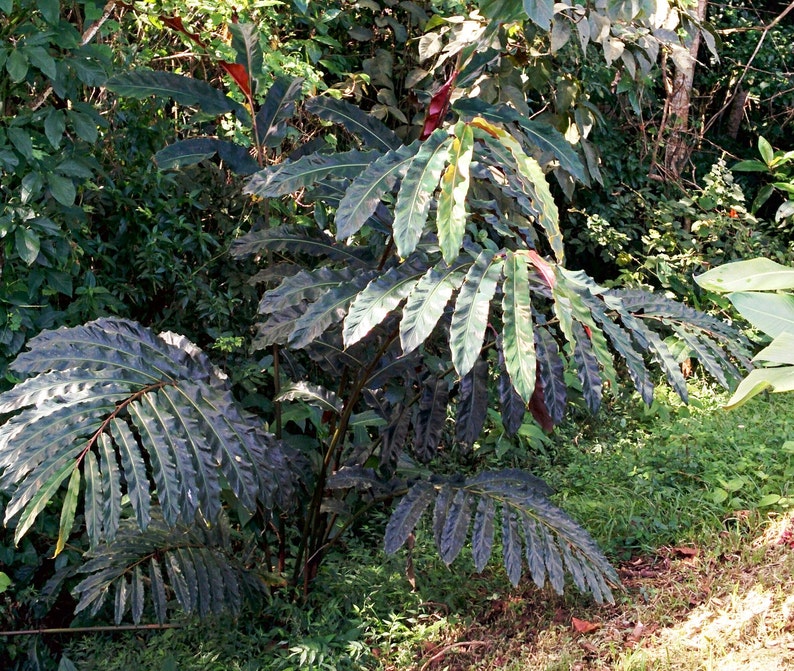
point(429, 285)
point(763, 293)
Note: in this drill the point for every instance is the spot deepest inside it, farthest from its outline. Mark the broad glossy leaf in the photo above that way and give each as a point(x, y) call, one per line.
point(518, 340)
point(470, 318)
point(245, 41)
point(184, 90)
point(472, 404)
point(758, 274)
point(379, 298)
point(371, 131)
point(291, 176)
point(540, 12)
point(40, 500)
point(777, 379)
point(111, 486)
point(94, 497)
point(431, 418)
point(771, 313)
point(194, 150)
point(456, 526)
point(366, 191)
point(278, 106)
point(451, 213)
point(303, 286)
point(134, 470)
point(482, 532)
point(312, 394)
point(780, 350)
point(427, 301)
point(407, 514)
point(417, 189)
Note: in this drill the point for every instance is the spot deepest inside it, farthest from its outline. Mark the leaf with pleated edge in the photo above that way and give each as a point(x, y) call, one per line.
point(451, 211)
point(456, 526)
point(406, 515)
point(295, 240)
point(472, 407)
point(430, 419)
point(313, 394)
point(67, 511)
point(371, 131)
point(470, 317)
point(188, 152)
point(366, 191)
point(483, 532)
point(427, 301)
point(291, 176)
point(518, 340)
point(277, 107)
point(417, 189)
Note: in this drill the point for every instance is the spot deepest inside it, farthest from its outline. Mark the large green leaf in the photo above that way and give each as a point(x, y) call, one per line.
point(451, 214)
point(184, 90)
point(291, 176)
point(245, 41)
point(366, 191)
point(771, 313)
point(470, 318)
point(758, 274)
point(780, 350)
point(427, 301)
point(371, 131)
point(189, 152)
point(303, 286)
point(540, 12)
point(298, 240)
point(417, 189)
point(778, 379)
point(518, 341)
point(380, 297)
point(278, 106)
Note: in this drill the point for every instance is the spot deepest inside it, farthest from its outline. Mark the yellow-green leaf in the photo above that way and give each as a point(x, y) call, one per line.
point(451, 217)
point(67, 512)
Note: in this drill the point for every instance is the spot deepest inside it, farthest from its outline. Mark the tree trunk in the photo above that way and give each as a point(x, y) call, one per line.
point(679, 145)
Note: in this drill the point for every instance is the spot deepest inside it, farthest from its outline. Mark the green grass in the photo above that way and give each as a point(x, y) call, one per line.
point(637, 479)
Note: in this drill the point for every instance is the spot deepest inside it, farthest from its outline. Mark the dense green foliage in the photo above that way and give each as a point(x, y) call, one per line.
point(386, 179)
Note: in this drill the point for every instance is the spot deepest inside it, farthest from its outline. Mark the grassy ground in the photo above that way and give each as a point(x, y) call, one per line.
point(690, 503)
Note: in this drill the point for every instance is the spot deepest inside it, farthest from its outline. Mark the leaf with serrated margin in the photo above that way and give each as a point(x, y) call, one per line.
point(329, 309)
point(276, 328)
point(194, 150)
point(587, 368)
point(158, 590)
point(111, 486)
point(185, 562)
point(366, 191)
point(407, 514)
point(297, 239)
point(440, 510)
point(595, 584)
point(184, 90)
point(371, 131)
point(512, 405)
point(417, 189)
point(427, 301)
point(379, 298)
point(431, 418)
point(704, 354)
point(650, 340)
point(194, 454)
point(94, 497)
point(164, 469)
point(511, 544)
point(134, 471)
point(456, 526)
point(553, 561)
point(122, 599)
point(534, 551)
point(574, 568)
point(204, 594)
point(67, 511)
point(303, 286)
point(393, 437)
point(542, 135)
point(482, 532)
point(40, 500)
point(451, 212)
point(470, 318)
point(472, 404)
point(312, 394)
point(534, 182)
point(136, 594)
point(621, 341)
point(177, 580)
point(518, 341)
point(278, 106)
point(552, 374)
point(291, 176)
